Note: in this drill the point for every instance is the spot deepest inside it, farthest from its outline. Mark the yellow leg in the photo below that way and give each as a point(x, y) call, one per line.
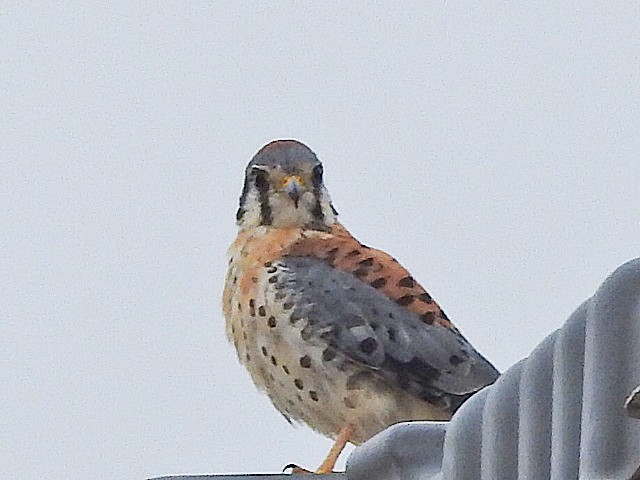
point(341, 440)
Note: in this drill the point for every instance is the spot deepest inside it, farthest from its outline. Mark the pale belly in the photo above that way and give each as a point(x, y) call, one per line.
point(305, 379)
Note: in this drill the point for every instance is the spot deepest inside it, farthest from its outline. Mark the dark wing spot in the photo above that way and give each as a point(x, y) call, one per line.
point(286, 369)
point(273, 279)
point(428, 317)
point(360, 272)
point(272, 270)
point(331, 255)
point(407, 282)
point(367, 262)
point(392, 334)
point(455, 360)
point(379, 282)
point(295, 316)
point(405, 300)
point(425, 297)
point(368, 345)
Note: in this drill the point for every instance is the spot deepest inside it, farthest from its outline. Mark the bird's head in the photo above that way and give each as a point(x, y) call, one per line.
point(283, 187)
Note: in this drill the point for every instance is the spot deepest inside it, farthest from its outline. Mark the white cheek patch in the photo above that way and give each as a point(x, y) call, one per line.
point(252, 210)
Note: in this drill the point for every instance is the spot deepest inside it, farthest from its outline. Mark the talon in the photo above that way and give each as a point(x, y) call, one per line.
point(295, 469)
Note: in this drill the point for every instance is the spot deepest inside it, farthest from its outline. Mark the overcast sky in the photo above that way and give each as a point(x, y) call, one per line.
point(492, 149)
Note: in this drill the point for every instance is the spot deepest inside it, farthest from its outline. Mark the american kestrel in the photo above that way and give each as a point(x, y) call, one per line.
point(339, 335)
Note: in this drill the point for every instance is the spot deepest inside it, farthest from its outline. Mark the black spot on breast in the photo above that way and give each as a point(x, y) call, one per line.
point(405, 300)
point(273, 279)
point(368, 345)
point(306, 333)
point(379, 282)
point(298, 383)
point(264, 351)
point(274, 362)
point(272, 322)
point(272, 270)
point(328, 354)
point(261, 311)
point(252, 307)
point(313, 395)
point(305, 362)
point(407, 282)
point(286, 369)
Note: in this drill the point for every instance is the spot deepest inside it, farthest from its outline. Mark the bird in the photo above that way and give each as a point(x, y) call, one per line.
point(339, 335)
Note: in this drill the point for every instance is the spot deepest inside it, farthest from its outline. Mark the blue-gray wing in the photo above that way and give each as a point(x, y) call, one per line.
point(367, 327)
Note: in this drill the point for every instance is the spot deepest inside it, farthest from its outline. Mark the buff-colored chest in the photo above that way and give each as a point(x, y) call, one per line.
point(306, 381)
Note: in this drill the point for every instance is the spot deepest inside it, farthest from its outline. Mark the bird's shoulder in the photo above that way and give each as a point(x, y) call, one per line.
point(340, 250)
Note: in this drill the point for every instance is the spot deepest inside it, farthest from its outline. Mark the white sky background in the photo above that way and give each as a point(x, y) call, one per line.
point(494, 150)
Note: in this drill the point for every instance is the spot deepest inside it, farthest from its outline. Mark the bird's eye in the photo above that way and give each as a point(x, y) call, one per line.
point(317, 175)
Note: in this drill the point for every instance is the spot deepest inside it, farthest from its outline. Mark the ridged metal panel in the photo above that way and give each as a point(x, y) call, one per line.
point(558, 414)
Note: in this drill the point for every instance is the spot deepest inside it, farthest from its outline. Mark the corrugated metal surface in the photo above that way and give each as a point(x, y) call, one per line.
point(559, 414)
